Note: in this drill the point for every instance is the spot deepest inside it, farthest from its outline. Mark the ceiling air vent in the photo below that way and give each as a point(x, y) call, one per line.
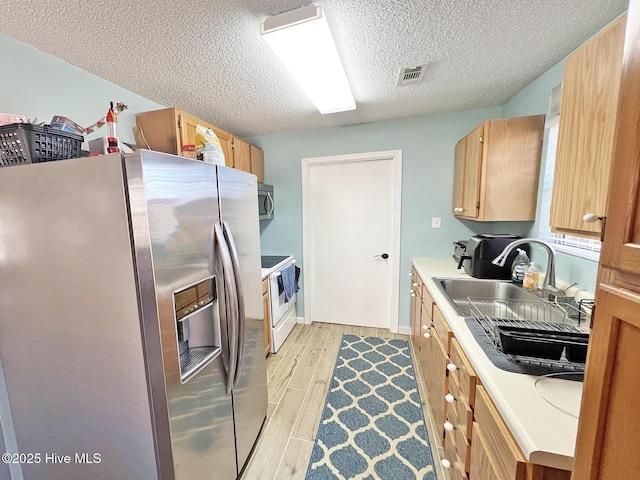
point(411, 75)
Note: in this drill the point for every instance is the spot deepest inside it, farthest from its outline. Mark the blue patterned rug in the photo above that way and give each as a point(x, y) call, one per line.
point(372, 425)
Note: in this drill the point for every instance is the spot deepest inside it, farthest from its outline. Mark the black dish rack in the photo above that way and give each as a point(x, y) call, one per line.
point(24, 143)
point(532, 330)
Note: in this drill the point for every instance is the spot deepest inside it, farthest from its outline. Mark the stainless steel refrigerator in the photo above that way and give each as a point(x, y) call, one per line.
point(131, 319)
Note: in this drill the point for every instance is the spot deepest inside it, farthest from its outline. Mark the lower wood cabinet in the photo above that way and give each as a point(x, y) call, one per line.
point(505, 458)
point(477, 443)
point(434, 372)
point(481, 465)
point(266, 307)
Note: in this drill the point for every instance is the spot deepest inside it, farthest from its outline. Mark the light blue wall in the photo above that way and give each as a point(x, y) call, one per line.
point(38, 85)
point(427, 143)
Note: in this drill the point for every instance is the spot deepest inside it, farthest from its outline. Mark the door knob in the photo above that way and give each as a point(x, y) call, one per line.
point(384, 255)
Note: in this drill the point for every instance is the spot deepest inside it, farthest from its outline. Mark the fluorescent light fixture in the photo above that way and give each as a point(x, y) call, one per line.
point(302, 41)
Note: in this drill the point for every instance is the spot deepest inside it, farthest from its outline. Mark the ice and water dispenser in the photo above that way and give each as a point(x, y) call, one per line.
point(197, 326)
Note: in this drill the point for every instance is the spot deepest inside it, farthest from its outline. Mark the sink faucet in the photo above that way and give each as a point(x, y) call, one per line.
point(549, 277)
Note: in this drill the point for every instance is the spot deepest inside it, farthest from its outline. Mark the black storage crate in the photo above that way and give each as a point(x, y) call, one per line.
point(22, 143)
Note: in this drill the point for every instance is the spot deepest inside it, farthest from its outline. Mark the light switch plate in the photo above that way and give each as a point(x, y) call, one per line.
point(436, 222)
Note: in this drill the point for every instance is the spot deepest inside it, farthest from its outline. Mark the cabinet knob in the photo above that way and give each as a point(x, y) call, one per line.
point(449, 398)
point(413, 294)
point(425, 327)
point(426, 335)
point(414, 284)
point(448, 426)
point(452, 367)
point(591, 217)
point(411, 274)
point(445, 463)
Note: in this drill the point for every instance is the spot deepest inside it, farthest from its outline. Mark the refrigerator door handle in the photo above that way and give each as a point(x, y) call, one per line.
point(235, 260)
point(231, 304)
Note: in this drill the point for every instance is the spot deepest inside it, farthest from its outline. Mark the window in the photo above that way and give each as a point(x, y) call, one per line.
point(577, 246)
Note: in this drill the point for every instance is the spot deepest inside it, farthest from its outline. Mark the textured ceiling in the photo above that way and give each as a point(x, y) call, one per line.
point(207, 57)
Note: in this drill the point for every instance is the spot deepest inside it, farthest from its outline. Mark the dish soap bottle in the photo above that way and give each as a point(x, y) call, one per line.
point(520, 263)
point(530, 277)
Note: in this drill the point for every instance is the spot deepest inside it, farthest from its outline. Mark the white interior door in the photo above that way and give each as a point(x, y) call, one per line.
point(351, 220)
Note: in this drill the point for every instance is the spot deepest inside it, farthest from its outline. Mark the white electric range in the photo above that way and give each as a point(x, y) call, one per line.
point(283, 314)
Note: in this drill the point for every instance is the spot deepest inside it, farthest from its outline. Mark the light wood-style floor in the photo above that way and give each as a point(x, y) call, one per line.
point(298, 378)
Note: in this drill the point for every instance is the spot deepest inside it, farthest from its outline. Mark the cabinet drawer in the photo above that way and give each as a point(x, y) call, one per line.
point(416, 283)
point(459, 437)
point(503, 452)
point(462, 371)
point(265, 286)
point(426, 297)
point(457, 468)
point(426, 313)
point(462, 408)
point(442, 329)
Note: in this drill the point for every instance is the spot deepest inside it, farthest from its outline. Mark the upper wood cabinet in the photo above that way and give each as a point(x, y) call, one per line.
point(585, 140)
point(608, 415)
point(257, 162)
point(496, 170)
point(241, 154)
point(169, 129)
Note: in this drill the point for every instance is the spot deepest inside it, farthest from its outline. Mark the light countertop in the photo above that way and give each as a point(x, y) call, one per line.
point(542, 416)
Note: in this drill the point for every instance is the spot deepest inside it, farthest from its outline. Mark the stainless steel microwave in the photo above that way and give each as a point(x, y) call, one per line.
point(265, 201)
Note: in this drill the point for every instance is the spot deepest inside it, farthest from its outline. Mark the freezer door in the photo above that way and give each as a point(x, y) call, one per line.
point(239, 216)
point(174, 207)
point(73, 370)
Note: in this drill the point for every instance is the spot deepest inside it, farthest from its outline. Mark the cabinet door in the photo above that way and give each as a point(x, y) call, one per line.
point(458, 178)
point(187, 127)
point(511, 168)
point(609, 425)
point(481, 466)
point(621, 247)
point(472, 168)
point(585, 140)
point(241, 154)
point(160, 130)
point(226, 142)
point(257, 163)
point(501, 449)
point(435, 379)
point(415, 310)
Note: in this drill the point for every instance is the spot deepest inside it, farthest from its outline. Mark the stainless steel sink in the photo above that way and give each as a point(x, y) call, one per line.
point(457, 291)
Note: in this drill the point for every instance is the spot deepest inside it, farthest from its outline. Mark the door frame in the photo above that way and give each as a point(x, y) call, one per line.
point(307, 164)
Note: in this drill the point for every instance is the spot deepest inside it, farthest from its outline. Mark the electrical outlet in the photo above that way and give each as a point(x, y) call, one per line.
point(436, 222)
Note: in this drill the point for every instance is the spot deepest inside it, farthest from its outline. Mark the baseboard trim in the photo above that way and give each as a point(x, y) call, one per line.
point(303, 321)
point(405, 330)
